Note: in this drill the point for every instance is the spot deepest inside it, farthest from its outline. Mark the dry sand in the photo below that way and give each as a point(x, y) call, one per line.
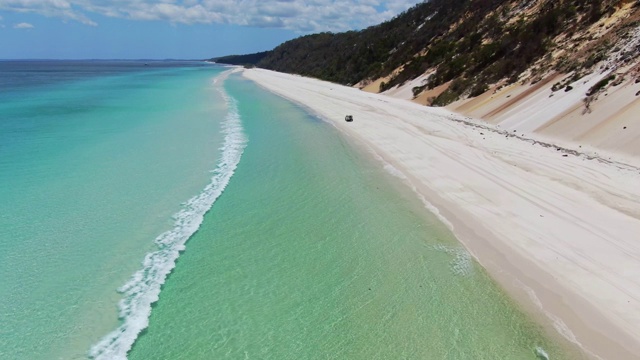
point(559, 230)
point(611, 125)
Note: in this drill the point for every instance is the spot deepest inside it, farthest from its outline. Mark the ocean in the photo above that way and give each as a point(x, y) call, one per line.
point(175, 210)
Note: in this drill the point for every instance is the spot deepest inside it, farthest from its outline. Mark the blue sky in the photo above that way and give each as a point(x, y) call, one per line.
point(179, 29)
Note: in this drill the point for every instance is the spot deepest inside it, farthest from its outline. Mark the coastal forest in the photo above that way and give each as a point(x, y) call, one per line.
point(469, 45)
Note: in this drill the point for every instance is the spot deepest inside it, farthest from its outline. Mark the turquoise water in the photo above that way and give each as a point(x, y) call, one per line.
point(91, 170)
point(311, 252)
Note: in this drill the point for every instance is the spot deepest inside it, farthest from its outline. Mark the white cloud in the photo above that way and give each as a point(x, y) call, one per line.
point(298, 15)
point(50, 8)
point(23, 25)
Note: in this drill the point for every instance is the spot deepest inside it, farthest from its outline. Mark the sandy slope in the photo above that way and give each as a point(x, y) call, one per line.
point(558, 229)
point(611, 124)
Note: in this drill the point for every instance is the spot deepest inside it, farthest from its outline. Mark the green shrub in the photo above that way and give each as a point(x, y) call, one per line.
point(600, 85)
point(479, 89)
point(445, 98)
point(418, 89)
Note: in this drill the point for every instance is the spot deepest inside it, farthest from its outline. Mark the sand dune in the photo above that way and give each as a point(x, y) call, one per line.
point(610, 125)
point(607, 123)
point(560, 230)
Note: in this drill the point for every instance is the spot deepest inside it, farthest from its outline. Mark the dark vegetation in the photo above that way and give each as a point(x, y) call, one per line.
point(248, 60)
point(600, 85)
point(472, 43)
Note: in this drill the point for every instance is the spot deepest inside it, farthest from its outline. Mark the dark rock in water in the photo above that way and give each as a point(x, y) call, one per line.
point(348, 118)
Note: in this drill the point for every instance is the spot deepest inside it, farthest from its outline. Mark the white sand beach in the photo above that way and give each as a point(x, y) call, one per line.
point(558, 229)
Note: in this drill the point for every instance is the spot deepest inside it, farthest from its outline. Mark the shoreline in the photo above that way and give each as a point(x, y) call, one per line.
point(554, 228)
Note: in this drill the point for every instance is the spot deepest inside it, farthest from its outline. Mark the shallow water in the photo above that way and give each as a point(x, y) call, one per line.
point(313, 250)
point(93, 163)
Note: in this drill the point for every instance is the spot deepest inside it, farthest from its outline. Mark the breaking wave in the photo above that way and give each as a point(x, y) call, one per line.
point(143, 289)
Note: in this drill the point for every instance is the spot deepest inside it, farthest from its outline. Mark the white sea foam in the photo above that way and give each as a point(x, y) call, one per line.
point(560, 326)
point(394, 171)
point(143, 288)
point(462, 263)
point(399, 174)
point(541, 354)
point(434, 210)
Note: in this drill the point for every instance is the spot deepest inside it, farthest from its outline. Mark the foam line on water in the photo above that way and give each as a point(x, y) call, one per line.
point(389, 168)
point(541, 354)
point(462, 263)
point(559, 325)
point(143, 289)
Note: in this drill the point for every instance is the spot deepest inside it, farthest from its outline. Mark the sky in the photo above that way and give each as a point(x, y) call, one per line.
point(174, 29)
